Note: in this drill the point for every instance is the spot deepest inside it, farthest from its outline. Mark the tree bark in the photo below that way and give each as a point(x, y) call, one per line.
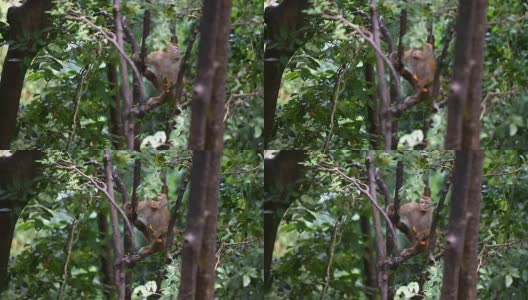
point(468, 274)
point(203, 85)
point(20, 168)
point(214, 134)
point(286, 19)
point(457, 225)
point(193, 237)
point(107, 268)
point(206, 273)
point(26, 20)
point(282, 176)
point(380, 242)
point(466, 29)
point(119, 267)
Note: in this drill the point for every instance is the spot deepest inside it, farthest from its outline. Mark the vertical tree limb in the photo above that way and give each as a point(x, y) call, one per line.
point(457, 97)
point(439, 208)
point(467, 285)
point(119, 275)
point(456, 232)
point(380, 243)
point(193, 237)
point(203, 85)
point(386, 118)
point(125, 84)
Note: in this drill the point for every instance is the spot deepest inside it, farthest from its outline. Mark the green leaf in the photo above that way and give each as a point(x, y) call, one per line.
point(509, 280)
point(245, 280)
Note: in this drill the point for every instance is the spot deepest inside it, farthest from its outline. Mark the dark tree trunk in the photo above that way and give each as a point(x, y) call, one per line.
point(457, 225)
point(282, 176)
point(26, 20)
point(463, 123)
point(116, 121)
point(369, 264)
point(468, 276)
point(372, 108)
point(193, 237)
point(107, 268)
point(203, 85)
point(19, 168)
point(286, 19)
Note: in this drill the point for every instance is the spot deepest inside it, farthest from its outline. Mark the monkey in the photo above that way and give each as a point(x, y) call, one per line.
point(418, 67)
point(415, 222)
point(165, 66)
point(152, 220)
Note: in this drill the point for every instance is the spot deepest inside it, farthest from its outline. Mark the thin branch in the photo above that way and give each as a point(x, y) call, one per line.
point(331, 258)
point(338, 91)
point(434, 224)
point(110, 36)
point(101, 187)
point(398, 108)
point(242, 171)
point(69, 246)
point(363, 188)
point(368, 37)
point(80, 92)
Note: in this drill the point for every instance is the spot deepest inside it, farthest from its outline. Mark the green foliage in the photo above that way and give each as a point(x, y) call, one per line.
point(309, 84)
point(65, 197)
point(68, 96)
point(328, 201)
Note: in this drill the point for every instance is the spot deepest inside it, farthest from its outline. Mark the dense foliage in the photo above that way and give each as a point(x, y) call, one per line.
point(330, 211)
point(325, 78)
point(61, 224)
point(68, 96)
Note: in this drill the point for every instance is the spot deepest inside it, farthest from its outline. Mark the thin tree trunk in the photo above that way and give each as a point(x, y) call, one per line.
point(456, 101)
point(107, 268)
point(193, 237)
point(467, 285)
point(457, 225)
point(206, 273)
point(203, 85)
point(119, 275)
point(125, 84)
point(383, 92)
point(380, 242)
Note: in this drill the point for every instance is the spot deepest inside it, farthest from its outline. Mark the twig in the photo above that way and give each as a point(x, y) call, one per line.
point(110, 36)
point(338, 91)
point(331, 258)
point(242, 171)
point(80, 92)
point(100, 186)
point(368, 37)
point(223, 245)
point(69, 246)
point(363, 188)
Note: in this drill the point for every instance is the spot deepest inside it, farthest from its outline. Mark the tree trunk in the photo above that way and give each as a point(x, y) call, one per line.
point(286, 19)
point(281, 176)
point(21, 167)
point(26, 20)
